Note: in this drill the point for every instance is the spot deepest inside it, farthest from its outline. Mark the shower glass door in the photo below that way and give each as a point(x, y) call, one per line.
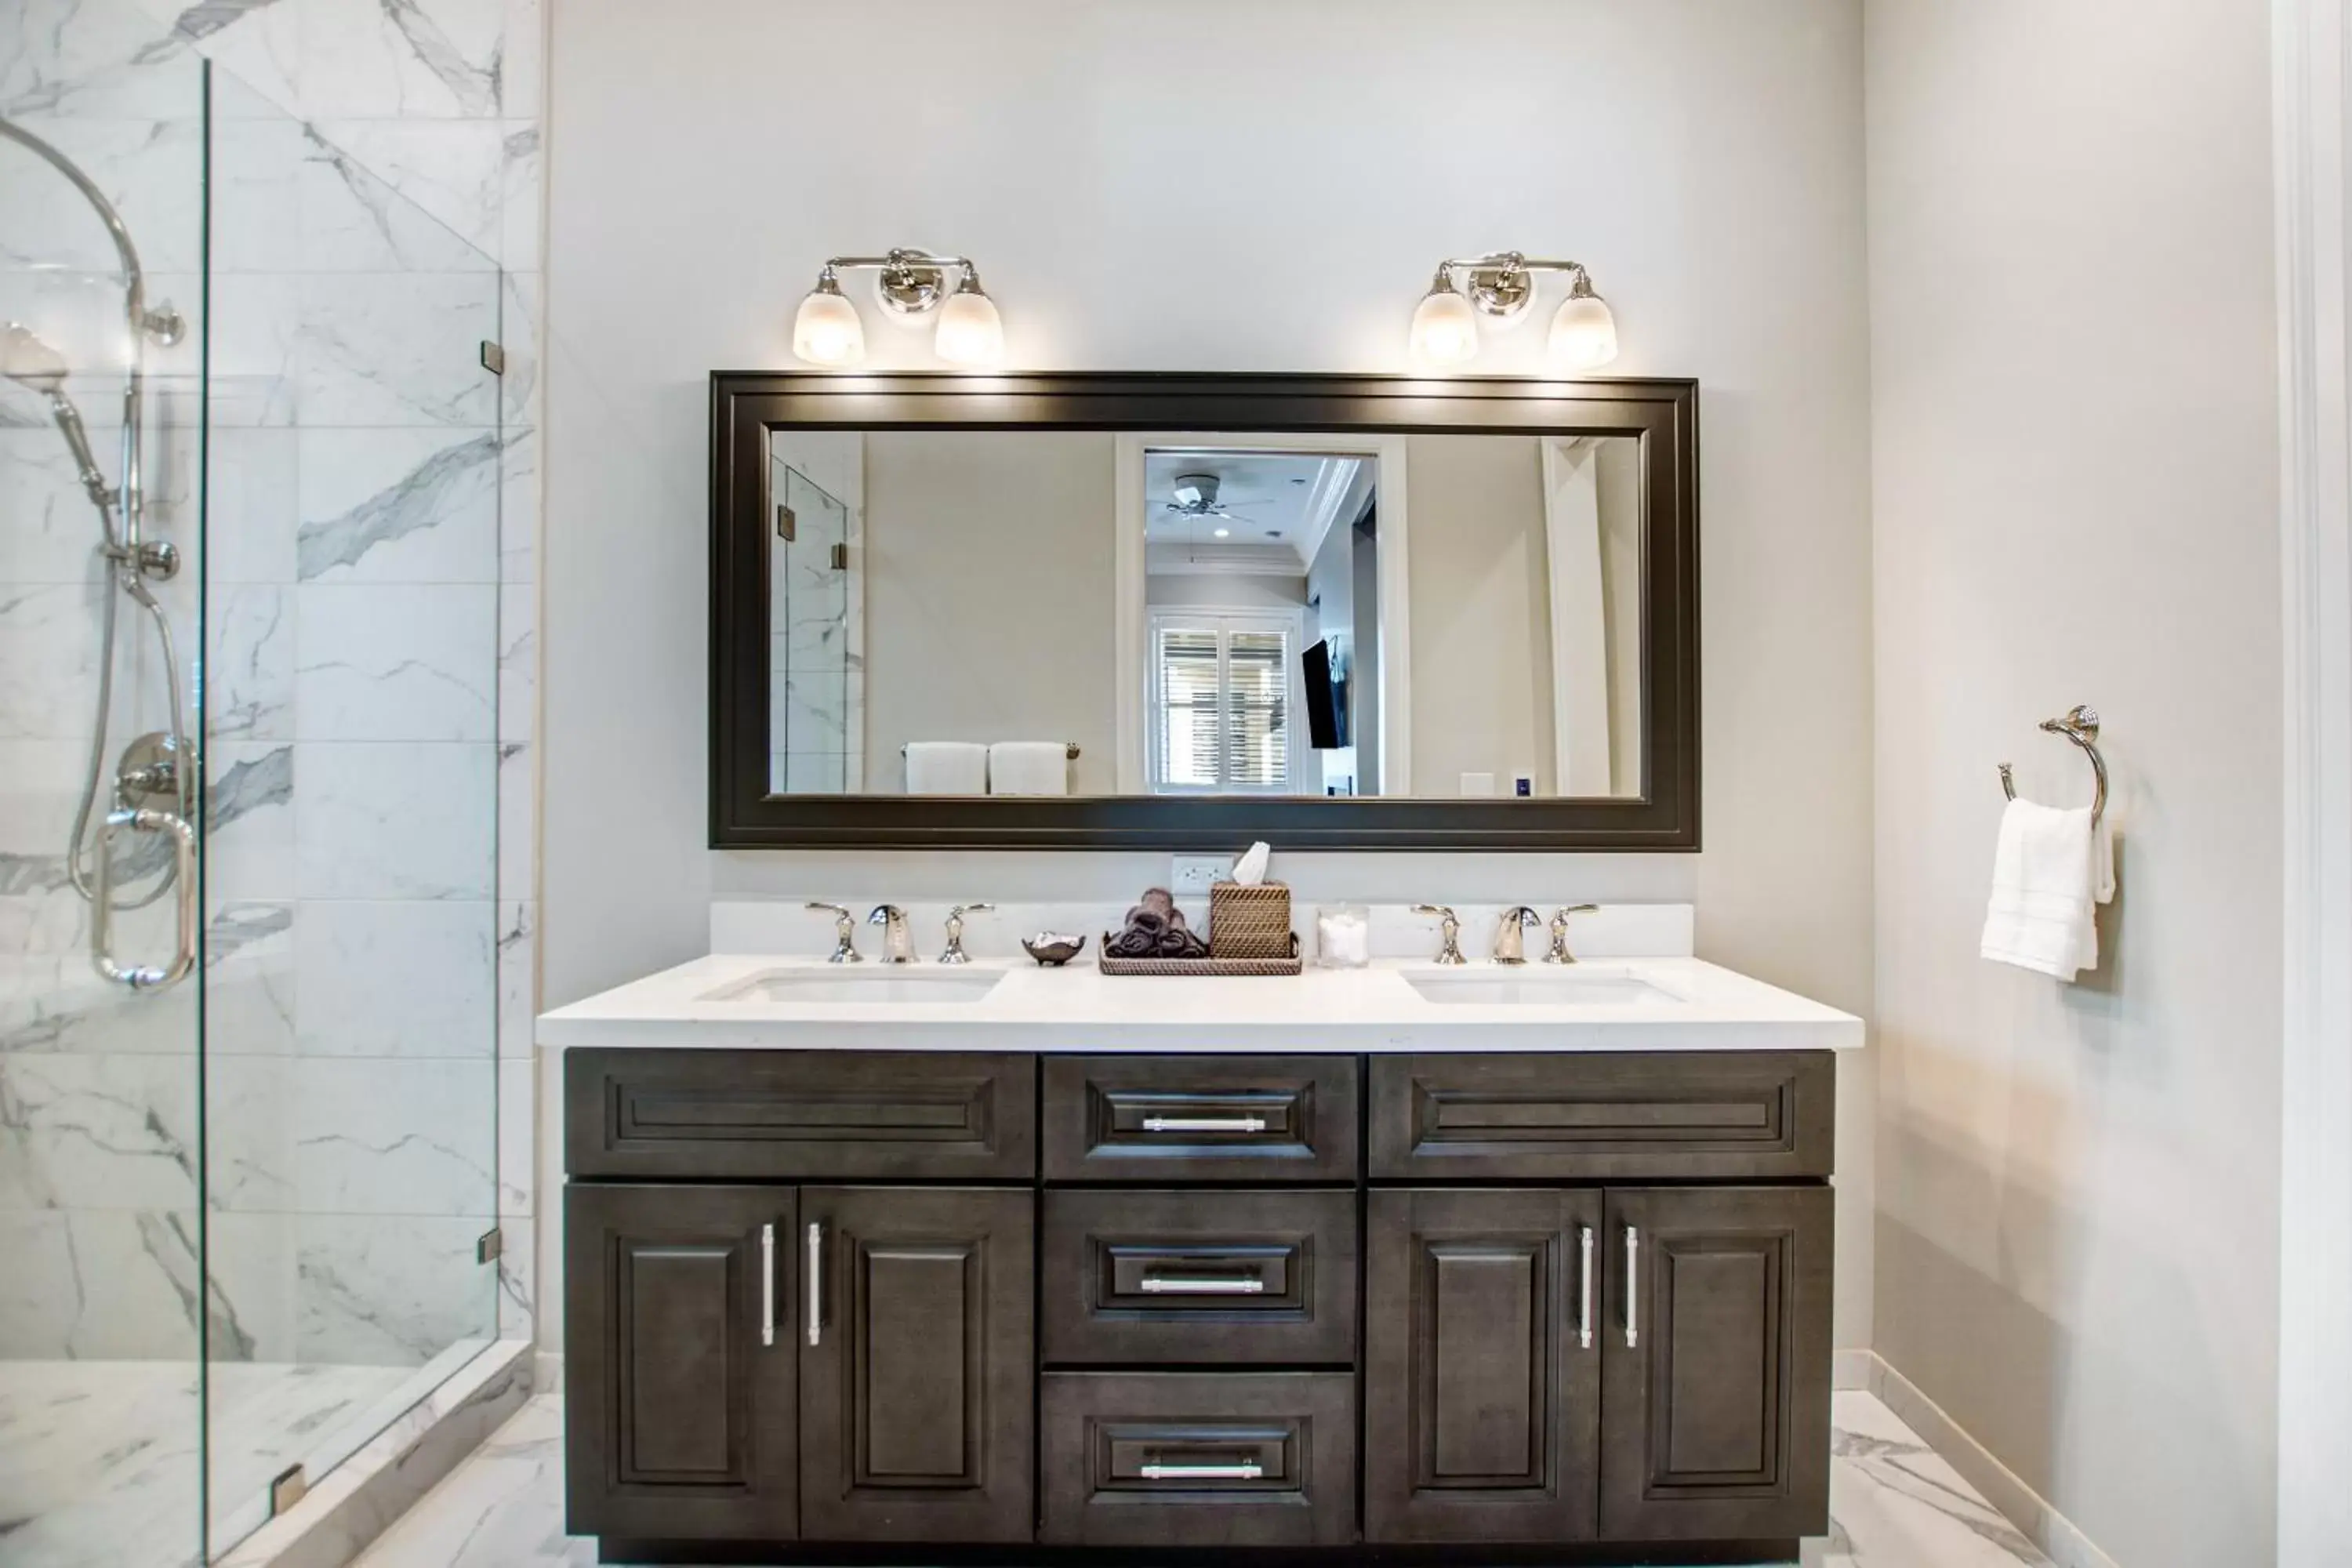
point(353, 439)
point(241, 1206)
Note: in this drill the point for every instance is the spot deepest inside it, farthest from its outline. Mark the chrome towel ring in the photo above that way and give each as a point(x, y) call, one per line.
point(2080, 725)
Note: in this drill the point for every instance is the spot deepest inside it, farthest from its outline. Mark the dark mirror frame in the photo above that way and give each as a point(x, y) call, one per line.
point(746, 404)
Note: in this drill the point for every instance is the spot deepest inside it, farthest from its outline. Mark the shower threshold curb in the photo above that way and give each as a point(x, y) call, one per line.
point(356, 1501)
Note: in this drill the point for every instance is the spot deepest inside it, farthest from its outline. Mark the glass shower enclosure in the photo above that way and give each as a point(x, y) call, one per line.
point(250, 513)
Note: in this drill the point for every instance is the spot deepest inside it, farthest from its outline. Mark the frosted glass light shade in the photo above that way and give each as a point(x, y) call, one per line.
point(970, 332)
point(827, 331)
point(1444, 330)
point(1584, 333)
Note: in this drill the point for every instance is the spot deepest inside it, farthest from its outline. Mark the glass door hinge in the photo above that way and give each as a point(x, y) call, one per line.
point(286, 1488)
point(488, 1249)
point(841, 558)
point(494, 358)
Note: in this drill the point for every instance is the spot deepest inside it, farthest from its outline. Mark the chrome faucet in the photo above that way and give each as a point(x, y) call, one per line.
point(1449, 929)
point(845, 934)
point(955, 953)
point(897, 946)
point(1559, 953)
point(1507, 946)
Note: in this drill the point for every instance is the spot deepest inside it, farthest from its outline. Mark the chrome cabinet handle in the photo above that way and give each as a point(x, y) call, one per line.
point(145, 977)
point(1205, 1124)
point(767, 1284)
point(1247, 1470)
point(1584, 1294)
point(1633, 1287)
point(1162, 1285)
point(816, 1283)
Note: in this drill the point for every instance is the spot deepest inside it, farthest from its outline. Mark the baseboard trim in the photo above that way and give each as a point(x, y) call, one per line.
point(356, 1501)
point(1853, 1372)
point(547, 1376)
point(2059, 1538)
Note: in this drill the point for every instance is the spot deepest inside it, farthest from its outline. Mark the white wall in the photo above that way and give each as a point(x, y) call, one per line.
point(1124, 173)
point(2076, 501)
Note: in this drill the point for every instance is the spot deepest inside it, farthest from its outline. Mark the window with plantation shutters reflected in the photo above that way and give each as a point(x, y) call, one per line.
point(1222, 702)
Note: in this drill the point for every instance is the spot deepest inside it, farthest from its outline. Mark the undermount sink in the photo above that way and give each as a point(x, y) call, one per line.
point(893, 984)
point(1576, 987)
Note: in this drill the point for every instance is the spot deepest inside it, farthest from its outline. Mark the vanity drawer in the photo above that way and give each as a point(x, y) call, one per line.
point(1655, 1116)
point(1198, 1277)
point(814, 1115)
point(1166, 1459)
point(1186, 1118)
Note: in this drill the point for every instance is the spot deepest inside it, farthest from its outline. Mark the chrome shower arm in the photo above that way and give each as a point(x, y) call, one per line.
point(163, 325)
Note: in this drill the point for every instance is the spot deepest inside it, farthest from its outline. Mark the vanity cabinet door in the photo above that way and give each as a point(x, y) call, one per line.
point(681, 1415)
point(1481, 1399)
point(917, 1410)
point(1716, 1363)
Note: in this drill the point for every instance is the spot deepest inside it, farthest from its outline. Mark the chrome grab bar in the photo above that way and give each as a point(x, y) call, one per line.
point(1205, 1124)
point(1247, 1470)
point(1156, 1285)
point(102, 920)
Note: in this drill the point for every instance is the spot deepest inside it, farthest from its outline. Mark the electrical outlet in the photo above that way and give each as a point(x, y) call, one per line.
point(1193, 873)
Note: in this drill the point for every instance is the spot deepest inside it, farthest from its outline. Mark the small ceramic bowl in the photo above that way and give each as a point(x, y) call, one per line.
point(1052, 948)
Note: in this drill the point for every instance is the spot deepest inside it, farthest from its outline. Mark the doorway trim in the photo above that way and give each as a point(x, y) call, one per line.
point(2312, 153)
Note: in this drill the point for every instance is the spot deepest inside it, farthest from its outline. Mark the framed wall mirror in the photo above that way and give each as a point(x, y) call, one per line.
point(1096, 611)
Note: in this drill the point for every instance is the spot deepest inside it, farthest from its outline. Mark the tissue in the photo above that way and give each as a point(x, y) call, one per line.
point(1250, 869)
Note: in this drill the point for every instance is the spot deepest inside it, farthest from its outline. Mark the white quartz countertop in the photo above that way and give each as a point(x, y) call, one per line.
point(1684, 1004)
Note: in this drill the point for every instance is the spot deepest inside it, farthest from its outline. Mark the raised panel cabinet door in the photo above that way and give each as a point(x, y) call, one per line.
point(918, 1379)
point(1482, 1365)
point(1716, 1363)
point(681, 1416)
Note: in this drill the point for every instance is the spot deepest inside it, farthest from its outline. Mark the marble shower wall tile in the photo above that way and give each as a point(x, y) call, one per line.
point(399, 506)
point(389, 1289)
point(96, 1130)
point(402, 978)
point(395, 820)
point(398, 663)
point(98, 1284)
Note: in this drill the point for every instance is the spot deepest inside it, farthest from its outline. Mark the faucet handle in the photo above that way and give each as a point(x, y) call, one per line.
point(1559, 953)
point(845, 934)
point(1449, 928)
point(955, 953)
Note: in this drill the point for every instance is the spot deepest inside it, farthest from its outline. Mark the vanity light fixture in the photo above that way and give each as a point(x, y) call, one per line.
point(911, 286)
point(1502, 287)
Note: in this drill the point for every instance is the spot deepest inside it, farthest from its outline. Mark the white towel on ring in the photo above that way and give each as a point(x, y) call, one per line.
point(2051, 868)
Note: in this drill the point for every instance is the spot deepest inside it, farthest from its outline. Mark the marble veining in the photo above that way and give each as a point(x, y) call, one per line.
point(1893, 1504)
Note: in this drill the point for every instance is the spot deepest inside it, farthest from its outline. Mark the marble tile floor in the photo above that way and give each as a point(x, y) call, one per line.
point(98, 1458)
point(1894, 1504)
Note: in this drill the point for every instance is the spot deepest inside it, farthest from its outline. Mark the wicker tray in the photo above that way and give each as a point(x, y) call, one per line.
point(1110, 963)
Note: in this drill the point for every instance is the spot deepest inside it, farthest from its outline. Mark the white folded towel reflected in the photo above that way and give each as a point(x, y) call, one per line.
point(2051, 867)
point(947, 767)
point(1029, 767)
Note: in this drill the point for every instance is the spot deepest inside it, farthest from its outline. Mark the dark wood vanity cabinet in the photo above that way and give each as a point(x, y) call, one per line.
point(1296, 1336)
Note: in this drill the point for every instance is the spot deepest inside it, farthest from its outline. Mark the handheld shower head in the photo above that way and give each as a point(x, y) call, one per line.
point(29, 362)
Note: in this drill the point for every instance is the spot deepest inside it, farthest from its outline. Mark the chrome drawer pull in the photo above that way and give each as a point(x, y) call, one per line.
point(1632, 1282)
point(816, 1283)
point(1156, 1285)
point(1247, 1470)
point(767, 1284)
point(1584, 1295)
point(1205, 1124)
